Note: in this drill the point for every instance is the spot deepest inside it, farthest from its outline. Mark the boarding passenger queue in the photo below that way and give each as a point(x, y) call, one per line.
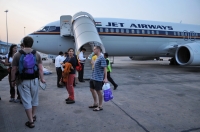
point(27, 79)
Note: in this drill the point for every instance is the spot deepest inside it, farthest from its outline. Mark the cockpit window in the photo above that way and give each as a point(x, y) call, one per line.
point(44, 29)
point(52, 28)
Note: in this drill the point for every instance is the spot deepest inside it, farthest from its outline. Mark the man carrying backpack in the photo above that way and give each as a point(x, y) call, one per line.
point(26, 70)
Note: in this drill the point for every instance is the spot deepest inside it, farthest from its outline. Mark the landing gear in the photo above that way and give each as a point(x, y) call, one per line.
point(173, 61)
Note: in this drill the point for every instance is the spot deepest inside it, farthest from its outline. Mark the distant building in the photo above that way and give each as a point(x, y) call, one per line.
point(4, 48)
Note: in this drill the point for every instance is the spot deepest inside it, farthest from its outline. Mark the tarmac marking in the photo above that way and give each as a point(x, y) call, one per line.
point(193, 129)
point(131, 117)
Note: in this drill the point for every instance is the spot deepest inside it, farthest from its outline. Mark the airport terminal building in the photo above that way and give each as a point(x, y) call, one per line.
point(4, 47)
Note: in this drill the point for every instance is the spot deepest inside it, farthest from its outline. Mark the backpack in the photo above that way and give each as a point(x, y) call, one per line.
point(28, 68)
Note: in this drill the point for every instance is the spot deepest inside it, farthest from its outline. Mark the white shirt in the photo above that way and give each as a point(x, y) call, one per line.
point(58, 60)
point(81, 57)
point(10, 59)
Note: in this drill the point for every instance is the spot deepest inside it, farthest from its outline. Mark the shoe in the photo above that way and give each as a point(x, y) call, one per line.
point(98, 109)
point(82, 81)
point(30, 124)
point(67, 99)
point(115, 87)
point(17, 100)
point(60, 86)
point(70, 101)
point(11, 100)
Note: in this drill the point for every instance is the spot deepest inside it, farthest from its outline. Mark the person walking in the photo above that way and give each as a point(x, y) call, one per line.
point(69, 74)
point(8, 62)
point(109, 70)
point(58, 61)
point(99, 75)
point(82, 61)
point(27, 78)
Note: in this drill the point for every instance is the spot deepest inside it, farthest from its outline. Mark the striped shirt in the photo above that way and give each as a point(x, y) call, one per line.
point(98, 71)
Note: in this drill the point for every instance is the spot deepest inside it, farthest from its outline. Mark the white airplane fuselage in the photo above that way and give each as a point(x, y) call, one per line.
point(124, 37)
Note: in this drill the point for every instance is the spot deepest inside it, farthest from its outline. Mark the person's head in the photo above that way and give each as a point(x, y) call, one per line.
point(60, 53)
point(70, 51)
point(28, 42)
point(12, 50)
point(105, 55)
point(83, 50)
point(97, 50)
point(22, 46)
point(65, 54)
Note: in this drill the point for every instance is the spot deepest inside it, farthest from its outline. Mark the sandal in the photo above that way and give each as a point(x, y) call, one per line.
point(98, 109)
point(93, 106)
point(30, 124)
point(34, 118)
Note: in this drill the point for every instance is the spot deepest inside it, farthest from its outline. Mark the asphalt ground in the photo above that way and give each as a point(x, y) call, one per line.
point(152, 97)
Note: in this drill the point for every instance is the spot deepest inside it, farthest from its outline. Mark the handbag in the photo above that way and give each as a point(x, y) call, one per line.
point(107, 93)
point(78, 67)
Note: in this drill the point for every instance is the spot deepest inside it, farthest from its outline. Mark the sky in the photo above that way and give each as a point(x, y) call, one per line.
point(26, 16)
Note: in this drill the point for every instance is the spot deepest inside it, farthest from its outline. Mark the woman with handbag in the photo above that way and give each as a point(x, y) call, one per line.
point(8, 62)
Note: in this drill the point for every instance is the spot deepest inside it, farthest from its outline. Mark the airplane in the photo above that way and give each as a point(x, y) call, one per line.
point(121, 37)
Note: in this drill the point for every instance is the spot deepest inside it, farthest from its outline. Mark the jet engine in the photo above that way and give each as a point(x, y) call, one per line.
point(188, 54)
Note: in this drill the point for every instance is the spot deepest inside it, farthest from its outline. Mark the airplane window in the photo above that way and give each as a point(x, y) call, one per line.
point(148, 32)
point(122, 30)
point(45, 29)
point(111, 30)
point(117, 30)
point(166, 33)
point(174, 33)
point(142, 31)
point(182, 34)
point(52, 28)
point(152, 32)
point(101, 29)
point(40, 29)
point(138, 31)
point(157, 32)
point(127, 31)
point(132, 31)
point(107, 30)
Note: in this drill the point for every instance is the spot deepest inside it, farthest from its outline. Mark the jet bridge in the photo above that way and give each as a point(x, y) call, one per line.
point(83, 30)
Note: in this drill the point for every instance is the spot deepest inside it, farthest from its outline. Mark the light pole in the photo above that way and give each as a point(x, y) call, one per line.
point(6, 11)
point(24, 31)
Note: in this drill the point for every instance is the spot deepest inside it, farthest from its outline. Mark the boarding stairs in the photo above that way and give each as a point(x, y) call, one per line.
point(81, 27)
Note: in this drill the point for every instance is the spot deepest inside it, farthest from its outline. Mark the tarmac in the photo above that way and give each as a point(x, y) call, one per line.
point(152, 97)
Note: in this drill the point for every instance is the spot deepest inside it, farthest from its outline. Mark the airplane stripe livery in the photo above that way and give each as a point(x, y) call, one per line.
point(122, 37)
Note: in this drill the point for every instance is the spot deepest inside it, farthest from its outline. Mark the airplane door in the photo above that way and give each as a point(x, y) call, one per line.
point(65, 25)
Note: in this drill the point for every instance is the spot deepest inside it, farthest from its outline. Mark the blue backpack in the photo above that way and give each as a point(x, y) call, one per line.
point(28, 68)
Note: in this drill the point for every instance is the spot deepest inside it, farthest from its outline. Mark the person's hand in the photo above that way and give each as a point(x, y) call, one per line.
point(105, 80)
point(42, 80)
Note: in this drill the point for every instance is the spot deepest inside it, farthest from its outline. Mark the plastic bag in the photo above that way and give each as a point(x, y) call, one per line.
point(107, 93)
